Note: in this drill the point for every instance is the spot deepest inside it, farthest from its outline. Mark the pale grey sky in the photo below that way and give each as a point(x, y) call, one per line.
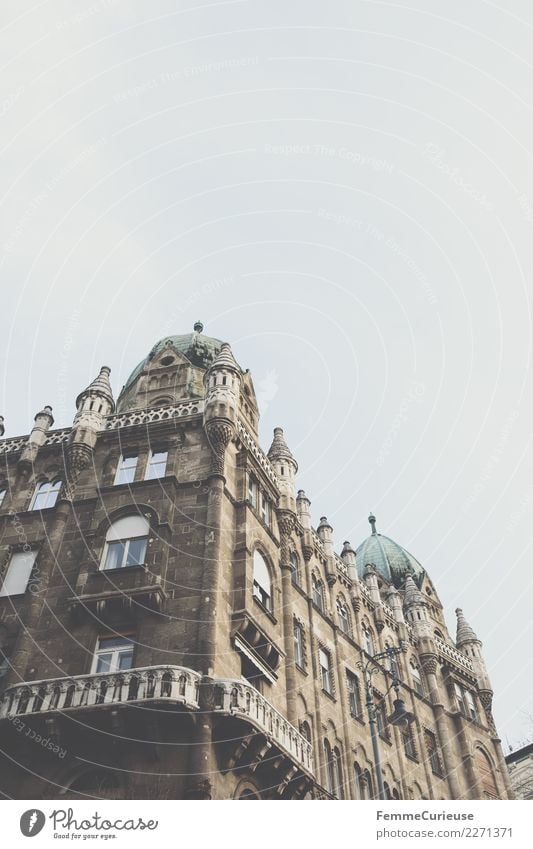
point(343, 191)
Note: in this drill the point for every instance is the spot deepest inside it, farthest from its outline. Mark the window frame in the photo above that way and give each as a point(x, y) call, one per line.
point(298, 639)
point(123, 468)
point(125, 542)
point(151, 465)
point(115, 653)
point(344, 620)
point(32, 556)
point(317, 588)
point(354, 695)
point(54, 487)
point(326, 672)
point(260, 593)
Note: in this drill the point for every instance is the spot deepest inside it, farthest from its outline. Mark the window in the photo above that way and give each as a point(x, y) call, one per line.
point(470, 705)
point(325, 671)
point(252, 491)
point(262, 588)
point(295, 571)
point(113, 654)
point(344, 616)
point(368, 640)
point(337, 773)
point(18, 573)
point(265, 509)
point(318, 593)
point(458, 690)
point(45, 495)
point(3, 493)
point(381, 718)
point(392, 662)
point(361, 784)
point(126, 469)
point(432, 751)
point(298, 645)
point(354, 694)
point(408, 742)
point(333, 770)
point(417, 680)
point(305, 731)
point(157, 465)
point(126, 542)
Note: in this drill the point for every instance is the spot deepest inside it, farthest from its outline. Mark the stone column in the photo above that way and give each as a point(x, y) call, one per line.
point(286, 524)
point(429, 663)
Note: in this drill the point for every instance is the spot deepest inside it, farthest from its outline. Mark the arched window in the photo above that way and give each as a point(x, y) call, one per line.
point(305, 731)
point(262, 588)
point(416, 678)
point(295, 570)
point(438, 634)
point(45, 495)
point(343, 616)
point(368, 638)
point(318, 593)
point(331, 772)
point(248, 794)
point(125, 543)
point(484, 770)
point(354, 694)
point(337, 773)
point(360, 783)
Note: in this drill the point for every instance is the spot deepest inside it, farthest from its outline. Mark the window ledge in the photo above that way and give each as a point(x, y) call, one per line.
point(265, 610)
point(329, 695)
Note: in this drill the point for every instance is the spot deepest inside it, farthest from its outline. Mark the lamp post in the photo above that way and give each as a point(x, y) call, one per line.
point(399, 716)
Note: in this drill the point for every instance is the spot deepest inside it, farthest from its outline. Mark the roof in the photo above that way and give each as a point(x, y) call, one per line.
point(199, 349)
point(392, 560)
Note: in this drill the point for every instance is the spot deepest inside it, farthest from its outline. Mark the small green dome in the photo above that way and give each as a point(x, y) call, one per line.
point(200, 350)
point(391, 560)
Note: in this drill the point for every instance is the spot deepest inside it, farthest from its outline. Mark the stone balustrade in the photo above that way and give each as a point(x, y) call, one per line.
point(154, 414)
point(240, 699)
point(249, 442)
point(451, 653)
point(161, 683)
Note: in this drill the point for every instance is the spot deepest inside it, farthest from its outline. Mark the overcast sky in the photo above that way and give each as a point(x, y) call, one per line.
point(342, 190)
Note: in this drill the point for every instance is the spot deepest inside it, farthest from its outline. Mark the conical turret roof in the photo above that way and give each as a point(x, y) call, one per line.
point(225, 359)
point(412, 593)
point(465, 632)
point(99, 386)
point(279, 450)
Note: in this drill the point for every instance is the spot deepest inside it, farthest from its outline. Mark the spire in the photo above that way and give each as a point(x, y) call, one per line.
point(372, 520)
point(99, 386)
point(225, 359)
point(412, 593)
point(465, 633)
point(279, 450)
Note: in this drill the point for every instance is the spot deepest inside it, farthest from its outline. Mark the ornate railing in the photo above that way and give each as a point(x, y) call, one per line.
point(239, 699)
point(163, 683)
point(54, 437)
point(155, 414)
point(453, 654)
point(249, 442)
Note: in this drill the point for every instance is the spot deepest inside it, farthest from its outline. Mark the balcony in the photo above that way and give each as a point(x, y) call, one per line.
point(115, 591)
point(243, 701)
point(451, 654)
point(168, 684)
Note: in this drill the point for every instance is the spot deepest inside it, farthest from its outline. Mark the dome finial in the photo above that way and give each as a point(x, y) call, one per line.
point(198, 326)
point(372, 520)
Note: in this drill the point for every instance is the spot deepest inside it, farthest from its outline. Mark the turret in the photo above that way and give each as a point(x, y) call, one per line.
point(303, 510)
point(285, 467)
point(93, 405)
point(416, 610)
point(370, 577)
point(348, 558)
point(325, 533)
point(471, 646)
point(222, 383)
point(42, 423)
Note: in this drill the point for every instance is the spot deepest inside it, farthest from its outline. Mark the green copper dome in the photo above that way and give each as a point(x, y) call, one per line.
point(200, 350)
point(391, 560)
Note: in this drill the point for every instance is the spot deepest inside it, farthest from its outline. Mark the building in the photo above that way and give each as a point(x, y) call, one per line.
point(520, 766)
point(172, 625)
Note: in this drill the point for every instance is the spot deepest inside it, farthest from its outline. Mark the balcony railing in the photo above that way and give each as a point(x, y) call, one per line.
point(174, 684)
point(239, 699)
point(450, 653)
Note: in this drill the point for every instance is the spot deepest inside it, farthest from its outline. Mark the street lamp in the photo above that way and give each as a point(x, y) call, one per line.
point(399, 717)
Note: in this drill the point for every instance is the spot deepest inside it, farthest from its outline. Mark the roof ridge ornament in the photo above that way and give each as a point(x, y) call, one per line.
point(372, 520)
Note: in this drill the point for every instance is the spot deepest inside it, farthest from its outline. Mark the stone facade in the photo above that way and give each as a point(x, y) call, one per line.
point(173, 626)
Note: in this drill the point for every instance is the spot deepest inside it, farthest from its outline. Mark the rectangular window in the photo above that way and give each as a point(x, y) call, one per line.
point(157, 465)
point(380, 718)
point(470, 705)
point(433, 754)
point(128, 552)
point(265, 509)
point(325, 671)
point(113, 654)
point(18, 573)
point(252, 492)
point(298, 645)
point(408, 743)
point(354, 694)
point(459, 698)
point(126, 469)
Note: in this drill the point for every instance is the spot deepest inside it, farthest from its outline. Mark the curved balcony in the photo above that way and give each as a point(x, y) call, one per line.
point(242, 700)
point(171, 684)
